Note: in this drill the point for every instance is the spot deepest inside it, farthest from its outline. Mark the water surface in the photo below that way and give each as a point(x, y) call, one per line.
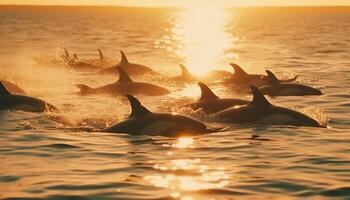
point(55, 156)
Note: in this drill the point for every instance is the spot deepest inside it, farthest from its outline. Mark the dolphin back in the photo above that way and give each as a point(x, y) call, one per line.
point(162, 124)
point(144, 122)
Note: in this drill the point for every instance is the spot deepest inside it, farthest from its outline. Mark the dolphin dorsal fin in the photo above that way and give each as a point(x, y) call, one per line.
point(184, 71)
point(3, 89)
point(137, 109)
point(207, 93)
point(271, 78)
point(124, 59)
point(123, 76)
point(238, 70)
point(258, 97)
point(100, 54)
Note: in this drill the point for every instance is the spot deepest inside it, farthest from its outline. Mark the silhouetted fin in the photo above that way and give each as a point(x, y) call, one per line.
point(100, 54)
point(258, 97)
point(271, 78)
point(84, 89)
point(137, 109)
point(238, 70)
point(184, 71)
point(3, 90)
point(123, 76)
point(207, 93)
point(13, 88)
point(124, 59)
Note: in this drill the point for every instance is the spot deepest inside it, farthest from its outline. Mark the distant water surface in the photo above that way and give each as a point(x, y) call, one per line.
point(55, 156)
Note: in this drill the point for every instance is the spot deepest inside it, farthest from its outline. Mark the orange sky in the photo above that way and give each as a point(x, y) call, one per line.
point(180, 2)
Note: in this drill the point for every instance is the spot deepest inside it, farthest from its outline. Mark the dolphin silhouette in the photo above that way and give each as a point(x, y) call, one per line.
point(125, 85)
point(260, 111)
point(185, 76)
point(276, 88)
point(210, 103)
point(144, 122)
point(10, 101)
point(101, 57)
point(130, 68)
point(257, 80)
point(102, 61)
point(212, 75)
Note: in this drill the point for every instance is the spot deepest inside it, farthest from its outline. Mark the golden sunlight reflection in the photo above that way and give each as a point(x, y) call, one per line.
point(187, 198)
point(186, 175)
point(183, 142)
point(202, 39)
point(189, 91)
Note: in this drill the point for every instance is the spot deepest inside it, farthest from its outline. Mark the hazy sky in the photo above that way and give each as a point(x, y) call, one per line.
point(179, 2)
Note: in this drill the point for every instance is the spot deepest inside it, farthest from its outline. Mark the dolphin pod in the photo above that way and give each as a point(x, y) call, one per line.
point(144, 122)
point(9, 101)
point(277, 88)
point(210, 103)
point(125, 85)
point(260, 111)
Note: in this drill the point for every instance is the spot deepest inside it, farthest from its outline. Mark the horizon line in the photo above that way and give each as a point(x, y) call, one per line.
point(176, 7)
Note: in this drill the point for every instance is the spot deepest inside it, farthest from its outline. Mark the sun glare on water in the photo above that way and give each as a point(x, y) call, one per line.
point(184, 142)
point(182, 177)
point(202, 38)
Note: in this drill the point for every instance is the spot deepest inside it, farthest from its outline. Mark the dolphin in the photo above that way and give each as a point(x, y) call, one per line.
point(257, 80)
point(125, 85)
point(130, 68)
point(13, 88)
point(21, 102)
point(260, 111)
point(185, 76)
point(210, 103)
point(101, 57)
point(144, 122)
point(101, 61)
point(213, 75)
point(277, 88)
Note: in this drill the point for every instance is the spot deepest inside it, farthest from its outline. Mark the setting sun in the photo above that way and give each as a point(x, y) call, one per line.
point(202, 45)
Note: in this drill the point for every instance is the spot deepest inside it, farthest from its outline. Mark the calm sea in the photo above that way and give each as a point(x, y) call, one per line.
point(56, 156)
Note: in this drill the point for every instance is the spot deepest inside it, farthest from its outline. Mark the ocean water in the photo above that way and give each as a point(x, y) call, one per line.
point(64, 156)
